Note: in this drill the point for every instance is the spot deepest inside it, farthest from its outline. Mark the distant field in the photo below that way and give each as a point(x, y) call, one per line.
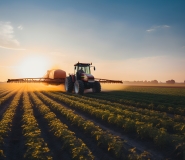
point(176, 89)
point(130, 122)
point(162, 98)
point(166, 89)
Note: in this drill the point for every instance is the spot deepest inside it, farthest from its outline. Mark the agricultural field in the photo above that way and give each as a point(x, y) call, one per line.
point(135, 122)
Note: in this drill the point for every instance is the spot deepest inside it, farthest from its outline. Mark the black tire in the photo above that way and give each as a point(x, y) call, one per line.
point(79, 87)
point(69, 84)
point(96, 87)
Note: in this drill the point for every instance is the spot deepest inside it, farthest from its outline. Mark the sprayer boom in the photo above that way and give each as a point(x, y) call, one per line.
point(108, 80)
point(54, 81)
point(37, 80)
point(79, 81)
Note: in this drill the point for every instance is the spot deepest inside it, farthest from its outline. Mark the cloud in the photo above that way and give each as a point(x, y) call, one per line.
point(7, 39)
point(154, 28)
point(20, 49)
point(20, 27)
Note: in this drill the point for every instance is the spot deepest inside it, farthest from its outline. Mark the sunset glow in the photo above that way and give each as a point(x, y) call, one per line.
point(125, 40)
point(33, 66)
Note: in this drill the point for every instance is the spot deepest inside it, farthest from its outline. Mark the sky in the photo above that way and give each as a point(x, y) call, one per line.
point(127, 40)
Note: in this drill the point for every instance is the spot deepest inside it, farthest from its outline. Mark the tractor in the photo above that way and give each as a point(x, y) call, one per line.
point(82, 79)
point(79, 81)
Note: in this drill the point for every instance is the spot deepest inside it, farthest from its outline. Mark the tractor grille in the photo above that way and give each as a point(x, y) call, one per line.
point(91, 80)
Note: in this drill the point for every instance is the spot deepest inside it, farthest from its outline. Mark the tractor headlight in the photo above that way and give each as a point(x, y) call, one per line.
point(85, 78)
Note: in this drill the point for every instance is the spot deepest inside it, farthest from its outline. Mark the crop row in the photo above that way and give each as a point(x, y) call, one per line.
point(111, 143)
point(149, 112)
point(77, 147)
point(157, 90)
point(151, 117)
point(113, 105)
point(7, 96)
point(121, 106)
point(9, 87)
point(143, 129)
point(174, 107)
point(7, 119)
point(36, 148)
point(4, 92)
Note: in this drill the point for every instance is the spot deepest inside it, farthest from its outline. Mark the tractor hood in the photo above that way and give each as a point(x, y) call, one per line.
point(87, 77)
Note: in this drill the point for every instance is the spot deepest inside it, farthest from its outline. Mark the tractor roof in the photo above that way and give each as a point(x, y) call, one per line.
point(79, 64)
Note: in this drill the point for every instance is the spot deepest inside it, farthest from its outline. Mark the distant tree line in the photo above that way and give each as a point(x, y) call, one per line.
point(150, 82)
point(170, 81)
point(142, 82)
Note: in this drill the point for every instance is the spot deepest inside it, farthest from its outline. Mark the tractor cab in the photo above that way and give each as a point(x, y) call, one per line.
point(82, 70)
point(84, 67)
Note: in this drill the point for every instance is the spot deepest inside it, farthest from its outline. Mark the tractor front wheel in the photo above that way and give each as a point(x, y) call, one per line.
point(79, 87)
point(96, 87)
point(69, 84)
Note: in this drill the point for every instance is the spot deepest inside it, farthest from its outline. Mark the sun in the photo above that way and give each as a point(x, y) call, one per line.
point(34, 66)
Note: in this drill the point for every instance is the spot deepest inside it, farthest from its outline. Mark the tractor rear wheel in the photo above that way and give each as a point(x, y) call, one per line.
point(96, 87)
point(79, 87)
point(69, 84)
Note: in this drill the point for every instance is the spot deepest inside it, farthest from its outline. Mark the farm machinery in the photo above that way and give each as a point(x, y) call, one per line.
point(83, 79)
point(79, 81)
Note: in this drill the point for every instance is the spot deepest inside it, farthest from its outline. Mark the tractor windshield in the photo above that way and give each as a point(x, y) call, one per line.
point(85, 69)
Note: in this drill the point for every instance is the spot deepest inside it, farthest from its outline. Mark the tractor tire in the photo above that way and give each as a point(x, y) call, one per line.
point(69, 84)
point(96, 87)
point(79, 87)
